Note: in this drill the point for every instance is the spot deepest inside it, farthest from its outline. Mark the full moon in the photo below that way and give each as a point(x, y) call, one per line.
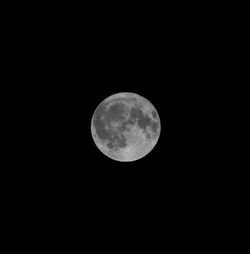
point(125, 127)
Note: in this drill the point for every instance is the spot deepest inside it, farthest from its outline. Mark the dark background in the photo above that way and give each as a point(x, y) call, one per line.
point(64, 68)
point(74, 186)
point(178, 164)
point(69, 86)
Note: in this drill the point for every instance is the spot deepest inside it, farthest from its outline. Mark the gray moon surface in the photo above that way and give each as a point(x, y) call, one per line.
point(125, 127)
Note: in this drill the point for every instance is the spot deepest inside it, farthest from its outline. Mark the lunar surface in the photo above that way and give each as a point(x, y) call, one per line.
point(125, 127)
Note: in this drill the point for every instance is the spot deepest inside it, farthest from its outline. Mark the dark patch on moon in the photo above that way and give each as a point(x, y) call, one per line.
point(154, 114)
point(143, 121)
point(103, 119)
point(116, 112)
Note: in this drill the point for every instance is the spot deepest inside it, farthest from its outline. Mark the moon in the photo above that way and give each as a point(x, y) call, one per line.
point(125, 127)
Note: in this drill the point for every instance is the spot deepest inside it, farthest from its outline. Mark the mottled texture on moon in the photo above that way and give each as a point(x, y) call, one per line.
point(125, 127)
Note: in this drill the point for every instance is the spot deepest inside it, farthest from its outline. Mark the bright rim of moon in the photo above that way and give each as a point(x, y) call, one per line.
point(138, 141)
